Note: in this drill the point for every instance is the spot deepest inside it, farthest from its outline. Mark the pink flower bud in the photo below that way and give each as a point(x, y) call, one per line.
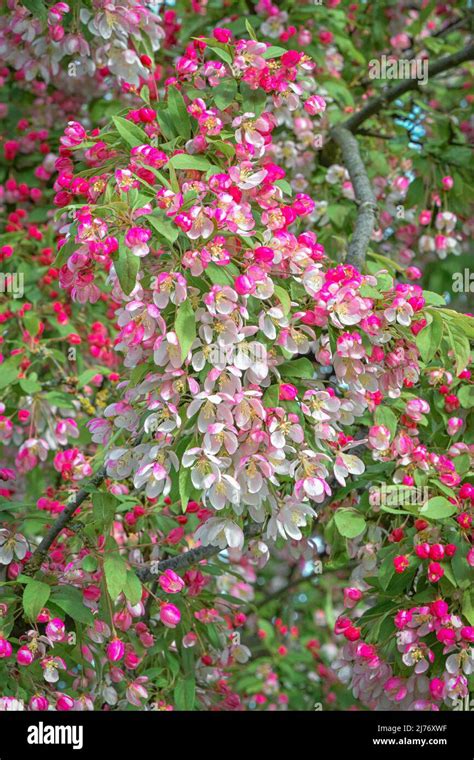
point(447, 182)
point(446, 635)
point(400, 563)
point(5, 648)
point(243, 285)
point(115, 650)
point(437, 687)
point(171, 582)
point(287, 392)
point(435, 572)
point(422, 550)
point(439, 608)
point(24, 656)
point(64, 703)
point(38, 703)
point(437, 551)
point(351, 597)
point(55, 629)
point(454, 425)
point(169, 615)
point(315, 105)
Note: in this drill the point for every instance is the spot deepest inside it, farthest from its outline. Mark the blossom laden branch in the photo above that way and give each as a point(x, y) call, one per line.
point(191, 557)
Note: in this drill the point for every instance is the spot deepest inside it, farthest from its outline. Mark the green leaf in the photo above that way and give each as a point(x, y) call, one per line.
point(462, 464)
point(459, 343)
point(178, 113)
point(416, 193)
point(271, 397)
point(127, 266)
point(9, 371)
point(164, 227)
point(225, 92)
point(349, 523)
point(30, 384)
point(384, 416)
point(219, 274)
point(69, 599)
point(185, 693)
point(437, 508)
point(132, 588)
point(466, 396)
point(115, 574)
point(103, 508)
point(284, 186)
point(67, 249)
point(297, 368)
point(468, 606)
point(185, 327)
point(129, 132)
point(183, 161)
point(433, 299)
point(273, 52)
point(31, 323)
point(185, 487)
point(38, 8)
point(35, 596)
point(165, 123)
point(429, 339)
point(253, 101)
point(284, 298)
point(221, 50)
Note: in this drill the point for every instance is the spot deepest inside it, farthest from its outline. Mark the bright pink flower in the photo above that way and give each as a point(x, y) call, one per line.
point(435, 572)
point(169, 615)
point(171, 582)
point(115, 650)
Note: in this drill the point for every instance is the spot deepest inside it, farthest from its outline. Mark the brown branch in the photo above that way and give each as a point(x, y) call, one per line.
point(38, 555)
point(364, 195)
point(186, 559)
point(342, 135)
point(34, 563)
point(390, 94)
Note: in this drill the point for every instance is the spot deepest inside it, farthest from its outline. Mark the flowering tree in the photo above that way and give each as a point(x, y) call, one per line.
point(236, 432)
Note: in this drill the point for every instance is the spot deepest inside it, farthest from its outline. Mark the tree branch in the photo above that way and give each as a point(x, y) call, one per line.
point(364, 195)
point(186, 559)
point(342, 135)
point(38, 555)
point(66, 515)
point(390, 94)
